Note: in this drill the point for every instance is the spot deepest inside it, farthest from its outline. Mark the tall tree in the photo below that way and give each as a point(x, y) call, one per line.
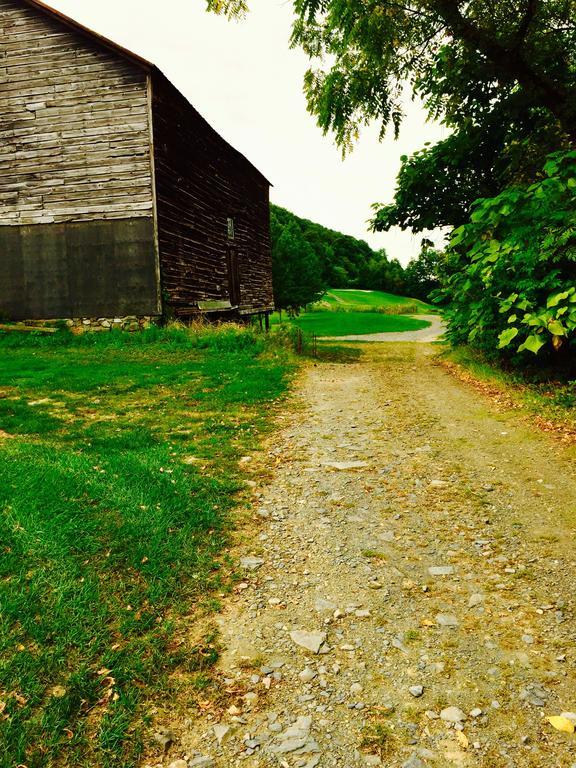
point(366, 50)
point(296, 270)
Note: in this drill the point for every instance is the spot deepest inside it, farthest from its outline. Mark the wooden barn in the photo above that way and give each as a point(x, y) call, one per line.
point(116, 197)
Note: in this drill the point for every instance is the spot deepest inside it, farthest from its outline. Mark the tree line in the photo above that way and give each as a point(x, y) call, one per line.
point(308, 258)
point(501, 76)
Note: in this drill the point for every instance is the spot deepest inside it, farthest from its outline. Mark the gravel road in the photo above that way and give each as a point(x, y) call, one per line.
point(408, 593)
point(433, 332)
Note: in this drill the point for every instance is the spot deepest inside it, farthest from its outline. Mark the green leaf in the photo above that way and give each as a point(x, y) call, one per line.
point(533, 344)
point(556, 328)
point(506, 337)
point(556, 298)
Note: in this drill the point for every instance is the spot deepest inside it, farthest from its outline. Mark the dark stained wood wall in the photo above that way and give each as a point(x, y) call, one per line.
point(201, 181)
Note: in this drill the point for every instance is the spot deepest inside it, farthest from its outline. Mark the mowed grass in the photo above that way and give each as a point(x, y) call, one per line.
point(343, 312)
point(351, 323)
point(118, 476)
point(338, 298)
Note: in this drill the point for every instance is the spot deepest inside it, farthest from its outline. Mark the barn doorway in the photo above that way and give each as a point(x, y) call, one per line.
point(233, 277)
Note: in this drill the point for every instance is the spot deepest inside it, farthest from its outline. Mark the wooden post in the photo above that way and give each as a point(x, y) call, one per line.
point(267, 318)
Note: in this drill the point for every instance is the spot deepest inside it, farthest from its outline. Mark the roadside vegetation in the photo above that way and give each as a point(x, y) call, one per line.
point(120, 468)
point(547, 395)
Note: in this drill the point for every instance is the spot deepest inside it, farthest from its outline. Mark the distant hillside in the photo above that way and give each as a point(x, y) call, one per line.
point(342, 261)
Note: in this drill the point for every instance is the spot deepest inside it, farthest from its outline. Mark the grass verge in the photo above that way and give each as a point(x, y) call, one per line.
point(550, 402)
point(119, 471)
point(355, 323)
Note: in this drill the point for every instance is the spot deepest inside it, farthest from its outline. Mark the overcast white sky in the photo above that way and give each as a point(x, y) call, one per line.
point(242, 77)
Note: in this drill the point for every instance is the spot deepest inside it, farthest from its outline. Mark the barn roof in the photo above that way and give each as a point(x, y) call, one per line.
point(148, 66)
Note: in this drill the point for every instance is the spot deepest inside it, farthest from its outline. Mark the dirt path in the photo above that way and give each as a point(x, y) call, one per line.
point(433, 332)
point(424, 545)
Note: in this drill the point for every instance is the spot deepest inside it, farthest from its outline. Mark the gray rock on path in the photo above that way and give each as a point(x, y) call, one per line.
point(296, 739)
point(441, 570)
point(201, 762)
point(164, 737)
point(413, 762)
point(534, 694)
point(416, 691)
point(447, 620)
point(475, 599)
point(453, 715)
point(342, 466)
point(324, 606)
point(251, 563)
point(220, 732)
point(310, 641)
point(307, 675)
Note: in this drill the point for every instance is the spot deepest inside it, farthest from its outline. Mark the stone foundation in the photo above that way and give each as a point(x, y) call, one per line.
point(129, 323)
point(82, 324)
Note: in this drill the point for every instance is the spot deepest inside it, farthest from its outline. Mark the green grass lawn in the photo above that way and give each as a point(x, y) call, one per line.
point(351, 323)
point(337, 298)
point(118, 476)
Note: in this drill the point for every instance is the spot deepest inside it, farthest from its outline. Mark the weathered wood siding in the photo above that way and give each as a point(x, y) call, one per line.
point(201, 181)
point(74, 127)
point(77, 234)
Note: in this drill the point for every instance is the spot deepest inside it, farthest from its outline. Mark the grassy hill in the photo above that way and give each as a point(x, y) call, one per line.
point(375, 301)
point(344, 312)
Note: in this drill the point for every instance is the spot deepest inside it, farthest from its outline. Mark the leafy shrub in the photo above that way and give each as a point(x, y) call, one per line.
point(511, 271)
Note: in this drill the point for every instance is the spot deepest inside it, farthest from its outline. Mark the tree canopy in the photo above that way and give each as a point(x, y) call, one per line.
point(309, 258)
point(457, 55)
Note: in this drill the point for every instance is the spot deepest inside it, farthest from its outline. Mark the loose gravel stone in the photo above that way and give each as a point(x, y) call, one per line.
point(447, 620)
point(441, 570)
point(475, 600)
point(453, 715)
point(310, 641)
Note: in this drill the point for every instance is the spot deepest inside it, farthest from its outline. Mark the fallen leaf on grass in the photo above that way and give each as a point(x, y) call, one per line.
point(561, 724)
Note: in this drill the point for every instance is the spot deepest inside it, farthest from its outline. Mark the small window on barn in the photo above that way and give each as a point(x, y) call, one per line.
point(231, 233)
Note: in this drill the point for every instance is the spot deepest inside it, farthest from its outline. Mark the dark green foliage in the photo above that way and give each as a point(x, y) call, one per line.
point(499, 140)
point(511, 271)
point(296, 268)
point(421, 276)
point(308, 258)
